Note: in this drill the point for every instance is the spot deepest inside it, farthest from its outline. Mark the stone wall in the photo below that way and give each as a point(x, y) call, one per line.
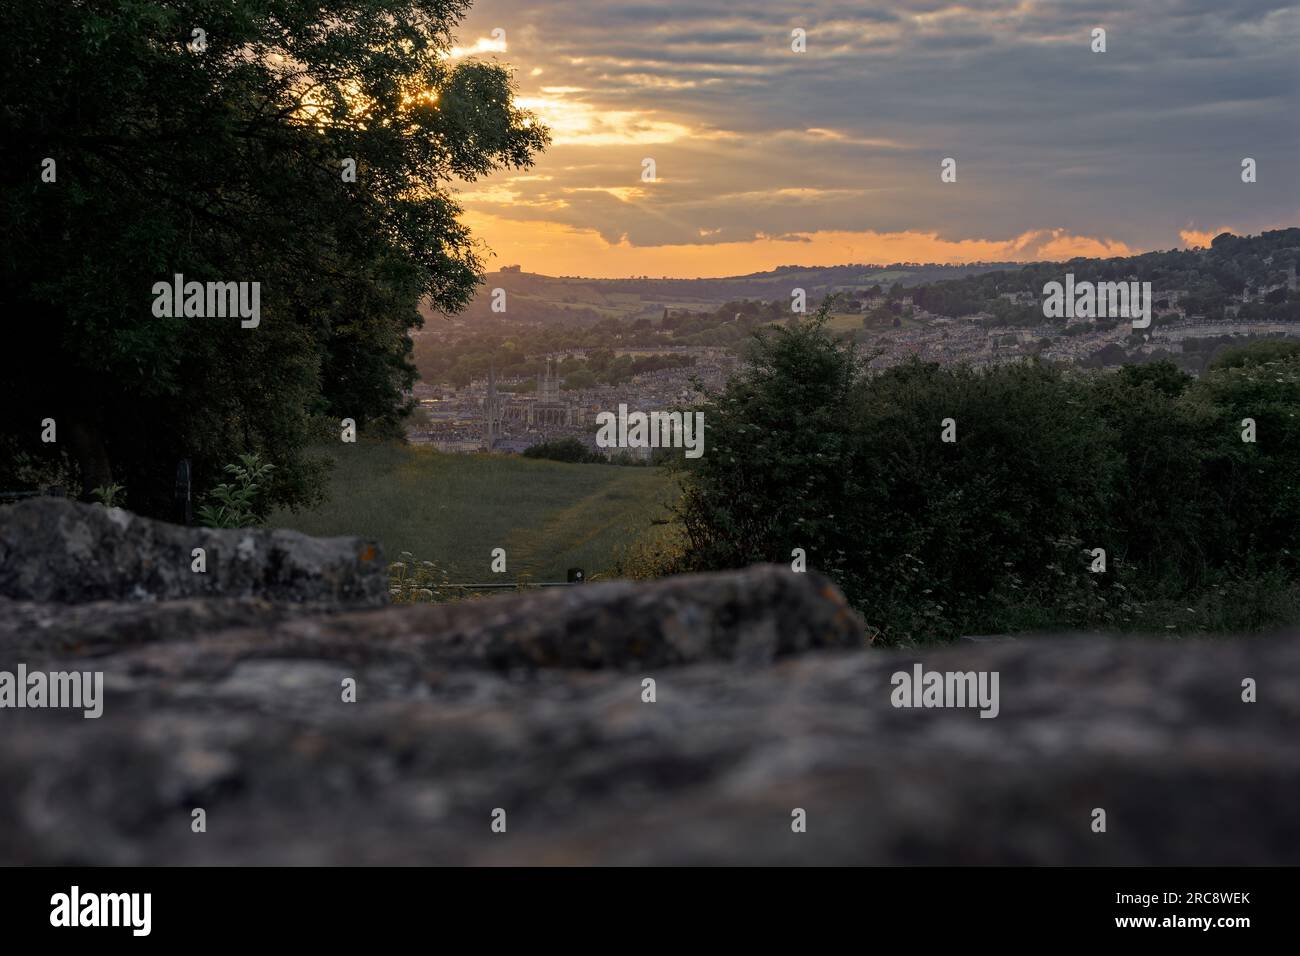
point(767, 700)
point(63, 551)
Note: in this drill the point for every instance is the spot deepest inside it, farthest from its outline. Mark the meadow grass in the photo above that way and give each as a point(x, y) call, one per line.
point(454, 509)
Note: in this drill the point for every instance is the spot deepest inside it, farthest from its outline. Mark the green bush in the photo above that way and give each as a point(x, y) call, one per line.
point(995, 531)
point(417, 582)
point(238, 503)
point(111, 495)
point(564, 449)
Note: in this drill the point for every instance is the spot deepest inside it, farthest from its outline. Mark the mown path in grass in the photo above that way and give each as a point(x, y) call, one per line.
point(454, 509)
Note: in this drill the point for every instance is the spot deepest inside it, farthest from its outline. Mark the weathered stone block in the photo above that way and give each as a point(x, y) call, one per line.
point(56, 550)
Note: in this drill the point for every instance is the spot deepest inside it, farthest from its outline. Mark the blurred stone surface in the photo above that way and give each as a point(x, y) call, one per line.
point(767, 700)
point(53, 549)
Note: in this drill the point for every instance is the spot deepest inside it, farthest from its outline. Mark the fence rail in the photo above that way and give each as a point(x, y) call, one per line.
point(407, 589)
point(450, 586)
point(41, 493)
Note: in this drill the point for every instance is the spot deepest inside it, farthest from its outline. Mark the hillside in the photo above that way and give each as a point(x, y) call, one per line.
point(454, 509)
point(1237, 279)
point(1210, 276)
point(1247, 276)
point(538, 298)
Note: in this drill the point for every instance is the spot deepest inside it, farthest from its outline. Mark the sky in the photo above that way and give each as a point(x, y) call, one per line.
point(764, 156)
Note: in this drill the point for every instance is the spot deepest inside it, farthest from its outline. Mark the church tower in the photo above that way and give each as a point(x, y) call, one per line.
point(548, 383)
point(491, 411)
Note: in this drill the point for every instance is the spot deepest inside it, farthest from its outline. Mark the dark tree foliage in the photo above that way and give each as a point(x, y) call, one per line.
point(567, 449)
point(226, 164)
point(1255, 353)
point(1209, 278)
point(995, 530)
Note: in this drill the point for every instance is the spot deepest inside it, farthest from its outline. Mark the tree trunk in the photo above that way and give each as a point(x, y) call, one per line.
point(88, 451)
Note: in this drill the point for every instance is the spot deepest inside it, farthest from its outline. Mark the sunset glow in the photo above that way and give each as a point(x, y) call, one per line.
point(766, 156)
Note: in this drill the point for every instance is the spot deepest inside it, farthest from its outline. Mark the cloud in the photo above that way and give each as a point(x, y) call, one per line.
point(1120, 150)
point(577, 123)
point(481, 45)
point(1195, 239)
point(560, 249)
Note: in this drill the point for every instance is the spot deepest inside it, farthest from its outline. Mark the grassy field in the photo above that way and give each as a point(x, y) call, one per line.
point(454, 509)
point(844, 321)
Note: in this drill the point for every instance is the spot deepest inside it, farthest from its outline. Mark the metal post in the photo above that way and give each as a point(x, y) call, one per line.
point(182, 505)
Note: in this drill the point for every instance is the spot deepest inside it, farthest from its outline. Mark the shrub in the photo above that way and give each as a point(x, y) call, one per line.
point(564, 449)
point(111, 495)
point(236, 504)
point(995, 531)
point(415, 582)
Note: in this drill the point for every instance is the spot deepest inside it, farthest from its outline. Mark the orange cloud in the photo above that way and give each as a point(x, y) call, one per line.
point(494, 44)
point(1061, 246)
point(577, 123)
point(1194, 239)
point(555, 249)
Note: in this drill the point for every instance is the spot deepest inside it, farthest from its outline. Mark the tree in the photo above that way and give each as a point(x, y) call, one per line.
point(1165, 377)
point(230, 162)
point(993, 527)
point(579, 377)
point(568, 449)
point(777, 440)
point(1256, 353)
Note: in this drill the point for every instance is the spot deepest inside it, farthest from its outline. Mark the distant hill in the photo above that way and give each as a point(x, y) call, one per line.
point(1246, 276)
point(532, 297)
point(1240, 278)
point(1213, 277)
